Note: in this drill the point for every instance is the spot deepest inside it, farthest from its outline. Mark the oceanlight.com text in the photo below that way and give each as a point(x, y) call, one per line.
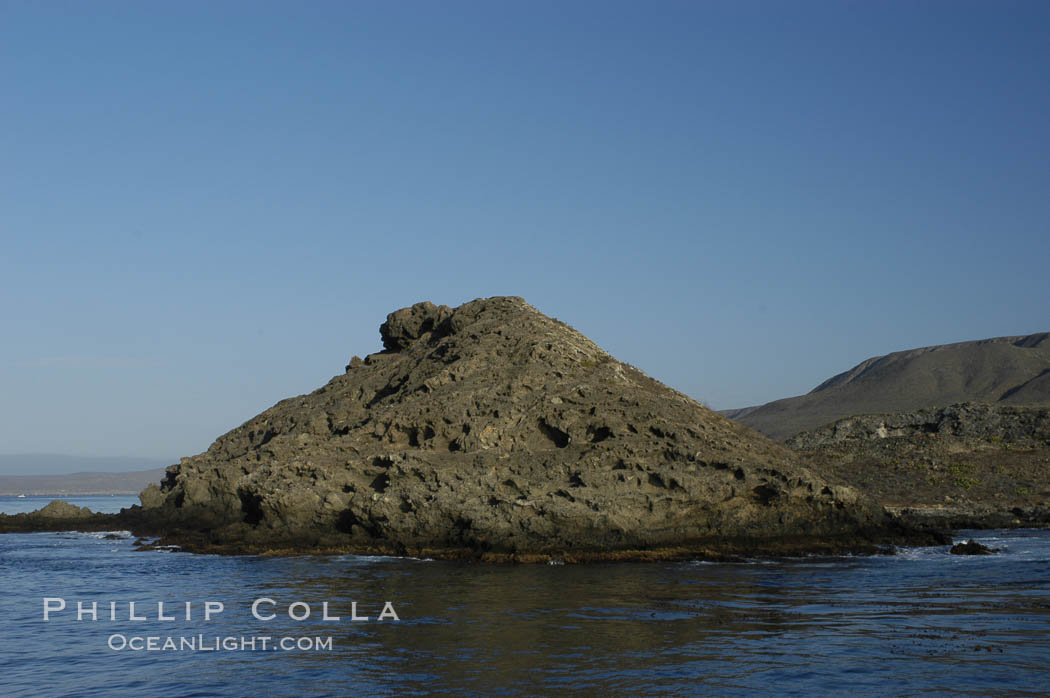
point(215, 643)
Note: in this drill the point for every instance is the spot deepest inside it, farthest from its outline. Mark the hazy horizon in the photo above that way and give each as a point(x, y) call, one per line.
point(209, 208)
point(47, 464)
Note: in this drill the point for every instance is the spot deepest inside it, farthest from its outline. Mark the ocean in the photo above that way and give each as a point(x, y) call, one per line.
point(917, 622)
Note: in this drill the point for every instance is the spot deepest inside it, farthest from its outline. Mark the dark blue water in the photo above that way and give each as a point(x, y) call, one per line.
point(919, 622)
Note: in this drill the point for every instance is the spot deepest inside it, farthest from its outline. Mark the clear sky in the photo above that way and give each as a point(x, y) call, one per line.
point(208, 206)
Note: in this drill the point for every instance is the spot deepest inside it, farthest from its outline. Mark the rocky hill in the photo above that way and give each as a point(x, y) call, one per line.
point(1004, 370)
point(493, 430)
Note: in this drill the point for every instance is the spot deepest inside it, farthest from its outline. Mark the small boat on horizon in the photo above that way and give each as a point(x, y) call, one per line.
point(21, 496)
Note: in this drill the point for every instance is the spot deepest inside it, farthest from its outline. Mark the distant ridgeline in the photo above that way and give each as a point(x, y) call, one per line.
point(79, 483)
point(1005, 370)
point(955, 436)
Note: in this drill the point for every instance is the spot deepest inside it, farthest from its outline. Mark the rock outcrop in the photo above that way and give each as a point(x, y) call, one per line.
point(962, 466)
point(57, 509)
point(493, 430)
point(971, 423)
point(57, 515)
point(971, 547)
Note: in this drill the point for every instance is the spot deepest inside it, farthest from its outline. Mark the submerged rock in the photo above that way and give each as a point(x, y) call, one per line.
point(972, 547)
point(492, 429)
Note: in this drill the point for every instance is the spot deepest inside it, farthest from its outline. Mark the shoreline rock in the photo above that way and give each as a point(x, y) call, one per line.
point(154, 535)
point(972, 547)
point(56, 515)
point(967, 465)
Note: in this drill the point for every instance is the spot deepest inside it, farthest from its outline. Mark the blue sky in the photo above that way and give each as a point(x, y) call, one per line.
point(207, 207)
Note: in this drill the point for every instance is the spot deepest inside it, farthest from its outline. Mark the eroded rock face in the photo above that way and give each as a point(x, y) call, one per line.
point(968, 465)
point(961, 422)
point(493, 428)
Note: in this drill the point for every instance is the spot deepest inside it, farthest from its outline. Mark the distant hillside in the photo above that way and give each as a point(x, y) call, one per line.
point(80, 483)
point(57, 464)
point(1007, 370)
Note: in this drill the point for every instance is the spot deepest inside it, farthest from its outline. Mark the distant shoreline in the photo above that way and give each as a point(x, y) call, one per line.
point(71, 493)
point(79, 484)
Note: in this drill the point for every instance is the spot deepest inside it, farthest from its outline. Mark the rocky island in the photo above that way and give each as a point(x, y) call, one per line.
point(493, 431)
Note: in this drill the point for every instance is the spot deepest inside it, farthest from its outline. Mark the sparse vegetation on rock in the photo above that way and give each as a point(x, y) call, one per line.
point(962, 466)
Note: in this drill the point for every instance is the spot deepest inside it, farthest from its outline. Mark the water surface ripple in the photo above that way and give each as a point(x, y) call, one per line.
point(917, 622)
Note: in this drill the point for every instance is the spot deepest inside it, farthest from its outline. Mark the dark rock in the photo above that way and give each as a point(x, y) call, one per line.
point(972, 547)
point(493, 430)
point(63, 516)
point(57, 509)
point(405, 326)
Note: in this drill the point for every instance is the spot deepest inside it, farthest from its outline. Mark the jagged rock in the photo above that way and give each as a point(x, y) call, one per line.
point(151, 497)
point(493, 429)
point(405, 326)
point(63, 516)
point(57, 509)
point(972, 547)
